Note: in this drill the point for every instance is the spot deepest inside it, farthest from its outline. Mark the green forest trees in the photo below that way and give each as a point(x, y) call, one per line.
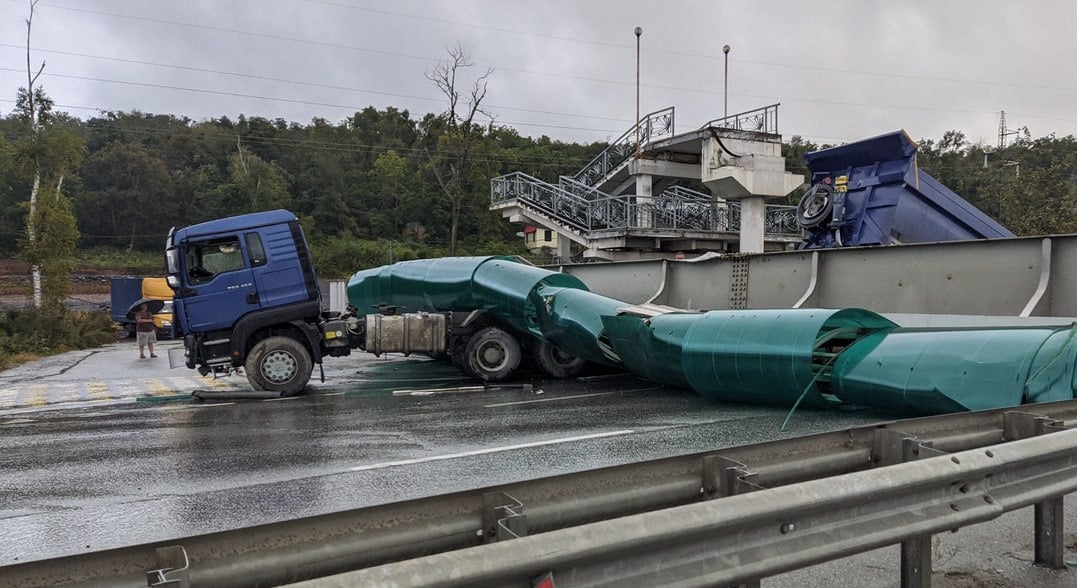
point(365, 187)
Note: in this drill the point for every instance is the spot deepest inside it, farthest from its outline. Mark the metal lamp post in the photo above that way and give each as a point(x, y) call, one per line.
point(639, 31)
point(725, 84)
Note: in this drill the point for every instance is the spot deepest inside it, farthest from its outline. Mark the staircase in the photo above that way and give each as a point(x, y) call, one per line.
point(606, 164)
point(578, 209)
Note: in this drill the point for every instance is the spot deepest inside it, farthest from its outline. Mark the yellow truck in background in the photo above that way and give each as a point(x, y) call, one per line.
point(125, 291)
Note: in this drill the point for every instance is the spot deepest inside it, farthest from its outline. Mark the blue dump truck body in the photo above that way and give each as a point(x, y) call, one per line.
point(872, 192)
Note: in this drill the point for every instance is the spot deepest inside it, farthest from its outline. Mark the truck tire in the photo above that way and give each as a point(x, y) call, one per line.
point(492, 355)
point(555, 362)
point(279, 364)
point(458, 351)
point(815, 206)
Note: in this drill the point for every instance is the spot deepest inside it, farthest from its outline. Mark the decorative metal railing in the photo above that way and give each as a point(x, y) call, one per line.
point(585, 209)
point(761, 120)
point(781, 220)
point(652, 126)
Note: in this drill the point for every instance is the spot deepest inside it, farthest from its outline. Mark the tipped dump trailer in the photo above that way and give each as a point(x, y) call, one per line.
point(872, 192)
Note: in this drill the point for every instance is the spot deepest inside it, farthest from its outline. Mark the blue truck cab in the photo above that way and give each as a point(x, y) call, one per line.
point(246, 295)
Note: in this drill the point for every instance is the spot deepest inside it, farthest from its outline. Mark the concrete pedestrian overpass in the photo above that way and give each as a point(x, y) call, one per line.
point(622, 207)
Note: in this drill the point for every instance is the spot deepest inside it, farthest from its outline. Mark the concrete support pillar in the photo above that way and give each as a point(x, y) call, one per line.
point(564, 248)
point(644, 201)
point(752, 212)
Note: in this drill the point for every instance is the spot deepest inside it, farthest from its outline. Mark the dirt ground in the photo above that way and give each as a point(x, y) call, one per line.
point(89, 286)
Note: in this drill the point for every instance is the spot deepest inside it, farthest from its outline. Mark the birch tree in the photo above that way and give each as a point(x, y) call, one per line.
point(46, 156)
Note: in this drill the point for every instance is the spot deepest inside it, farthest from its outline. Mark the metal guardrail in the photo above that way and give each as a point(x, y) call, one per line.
point(652, 126)
point(761, 488)
point(761, 120)
point(586, 209)
point(740, 539)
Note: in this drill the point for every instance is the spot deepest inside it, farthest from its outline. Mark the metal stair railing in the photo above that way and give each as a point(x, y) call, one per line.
point(779, 220)
point(687, 194)
point(761, 120)
point(582, 208)
point(656, 124)
point(560, 205)
point(681, 208)
point(570, 185)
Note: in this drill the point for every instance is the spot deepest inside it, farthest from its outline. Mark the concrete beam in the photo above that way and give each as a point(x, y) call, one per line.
point(669, 169)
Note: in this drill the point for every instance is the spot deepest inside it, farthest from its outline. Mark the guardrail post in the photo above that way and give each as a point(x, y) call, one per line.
point(1048, 522)
point(916, 562)
point(891, 448)
point(1049, 533)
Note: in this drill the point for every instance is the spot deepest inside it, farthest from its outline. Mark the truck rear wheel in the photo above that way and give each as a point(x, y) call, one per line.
point(279, 364)
point(557, 363)
point(492, 355)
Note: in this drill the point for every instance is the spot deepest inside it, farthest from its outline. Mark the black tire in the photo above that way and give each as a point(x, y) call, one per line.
point(492, 355)
point(458, 352)
point(279, 364)
point(557, 363)
point(815, 206)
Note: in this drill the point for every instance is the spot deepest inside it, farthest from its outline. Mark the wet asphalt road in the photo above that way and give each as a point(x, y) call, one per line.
point(81, 474)
point(95, 477)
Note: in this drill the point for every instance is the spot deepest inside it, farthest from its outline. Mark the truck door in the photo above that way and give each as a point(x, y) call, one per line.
point(216, 270)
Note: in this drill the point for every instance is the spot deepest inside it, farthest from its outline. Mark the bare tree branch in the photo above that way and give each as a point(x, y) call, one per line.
point(452, 161)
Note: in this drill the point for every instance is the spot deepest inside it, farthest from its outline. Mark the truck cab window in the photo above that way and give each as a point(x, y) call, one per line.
point(255, 250)
point(206, 259)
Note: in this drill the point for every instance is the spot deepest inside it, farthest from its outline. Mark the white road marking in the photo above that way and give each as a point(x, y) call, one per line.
point(390, 464)
point(195, 406)
point(547, 399)
point(281, 399)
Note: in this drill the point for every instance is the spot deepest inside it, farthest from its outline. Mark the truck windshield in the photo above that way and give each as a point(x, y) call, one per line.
point(206, 259)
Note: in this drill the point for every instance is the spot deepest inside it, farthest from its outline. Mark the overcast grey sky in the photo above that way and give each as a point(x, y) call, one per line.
point(842, 70)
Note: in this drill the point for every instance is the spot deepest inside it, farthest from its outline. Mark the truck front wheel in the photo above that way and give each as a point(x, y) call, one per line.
point(278, 364)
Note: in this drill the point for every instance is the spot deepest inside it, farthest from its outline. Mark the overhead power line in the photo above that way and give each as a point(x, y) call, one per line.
point(305, 83)
point(351, 107)
point(525, 124)
point(519, 32)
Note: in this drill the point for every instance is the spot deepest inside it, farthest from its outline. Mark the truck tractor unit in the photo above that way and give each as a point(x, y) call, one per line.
point(246, 295)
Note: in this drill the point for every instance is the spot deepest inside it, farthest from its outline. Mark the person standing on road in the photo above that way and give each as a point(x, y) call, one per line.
point(145, 331)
